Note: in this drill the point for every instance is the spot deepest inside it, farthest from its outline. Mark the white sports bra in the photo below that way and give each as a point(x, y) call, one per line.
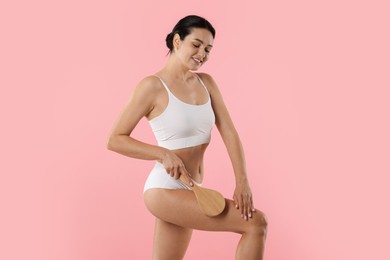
point(183, 125)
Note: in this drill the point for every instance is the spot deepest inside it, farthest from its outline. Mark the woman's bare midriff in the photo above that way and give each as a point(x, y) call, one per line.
point(192, 158)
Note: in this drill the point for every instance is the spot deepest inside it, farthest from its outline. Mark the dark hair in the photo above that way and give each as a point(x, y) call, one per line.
point(184, 26)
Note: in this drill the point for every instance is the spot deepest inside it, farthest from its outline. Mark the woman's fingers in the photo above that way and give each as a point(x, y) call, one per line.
point(186, 174)
point(245, 206)
point(235, 201)
point(250, 209)
point(252, 205)
point(241, 205)
point(175, 167)
point(249, 206)
point(173, 164)
point(174, 172)
point(244, 203)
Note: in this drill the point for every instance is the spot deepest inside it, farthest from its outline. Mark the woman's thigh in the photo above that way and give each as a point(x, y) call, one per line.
point(180, 207)
point(170, 240)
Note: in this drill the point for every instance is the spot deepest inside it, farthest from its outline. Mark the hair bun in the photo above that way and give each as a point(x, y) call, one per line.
point(169, 40)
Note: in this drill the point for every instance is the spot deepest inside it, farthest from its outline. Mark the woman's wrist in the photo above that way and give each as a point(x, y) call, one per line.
point(162, 153)
point(241, 179)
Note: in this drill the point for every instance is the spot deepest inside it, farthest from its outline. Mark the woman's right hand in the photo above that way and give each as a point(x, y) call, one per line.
point(175, 166)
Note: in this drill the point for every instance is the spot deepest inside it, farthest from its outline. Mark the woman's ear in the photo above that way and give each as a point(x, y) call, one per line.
point(176, 41)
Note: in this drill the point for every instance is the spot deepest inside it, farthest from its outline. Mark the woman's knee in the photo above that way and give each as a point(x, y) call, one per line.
point(258, 224)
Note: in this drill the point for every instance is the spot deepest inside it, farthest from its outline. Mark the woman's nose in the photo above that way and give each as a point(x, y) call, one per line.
point(202, 52)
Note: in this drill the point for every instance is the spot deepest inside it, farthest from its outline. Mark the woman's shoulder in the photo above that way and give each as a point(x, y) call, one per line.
point(204, 76)
point(208, 80)
point(148, 84)
point(150, 81)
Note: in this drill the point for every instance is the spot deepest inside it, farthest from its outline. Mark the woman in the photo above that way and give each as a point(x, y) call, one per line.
point(182, 106)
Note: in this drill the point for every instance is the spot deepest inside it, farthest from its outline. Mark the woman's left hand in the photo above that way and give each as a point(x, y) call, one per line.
point(243, 199)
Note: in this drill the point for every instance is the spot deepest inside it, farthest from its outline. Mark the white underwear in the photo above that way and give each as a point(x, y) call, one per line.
point(159, 178)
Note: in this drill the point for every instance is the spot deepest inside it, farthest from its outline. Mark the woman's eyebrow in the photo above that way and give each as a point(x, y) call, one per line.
point(202, 42)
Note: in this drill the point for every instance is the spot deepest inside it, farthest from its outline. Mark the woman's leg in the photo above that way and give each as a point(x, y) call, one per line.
point(180, 207)
point(170, 241)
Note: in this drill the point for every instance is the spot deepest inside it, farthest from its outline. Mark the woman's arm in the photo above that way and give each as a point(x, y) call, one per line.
point(142, 102)
point(242, 194)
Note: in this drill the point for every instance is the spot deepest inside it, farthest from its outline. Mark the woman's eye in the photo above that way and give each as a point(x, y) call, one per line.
point(198, 46)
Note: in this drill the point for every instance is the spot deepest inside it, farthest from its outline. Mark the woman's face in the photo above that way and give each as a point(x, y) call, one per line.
point(194, 50)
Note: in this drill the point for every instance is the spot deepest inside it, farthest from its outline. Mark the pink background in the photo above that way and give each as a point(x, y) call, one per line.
point(307, 84)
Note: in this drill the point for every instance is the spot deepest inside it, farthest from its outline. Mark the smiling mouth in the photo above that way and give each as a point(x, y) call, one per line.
point(197, 60)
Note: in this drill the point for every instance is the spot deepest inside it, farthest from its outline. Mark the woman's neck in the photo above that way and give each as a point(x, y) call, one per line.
point(175, 69)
